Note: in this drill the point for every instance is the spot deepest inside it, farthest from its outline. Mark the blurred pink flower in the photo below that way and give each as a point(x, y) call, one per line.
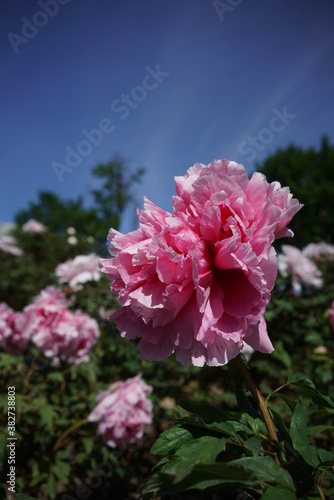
point(320, 349)
point(8, 245)
point(13, 337)
point(57, 332)
point(123, 412)
point(33, 226)
point(319, 251)
point(197, 282)
point(303, 270)
point(79, 270)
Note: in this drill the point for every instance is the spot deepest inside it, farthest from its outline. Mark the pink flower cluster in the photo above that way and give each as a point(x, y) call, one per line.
point(123, 412)
point(57, 332)
point(78, 270)
point(198, 281)
point(48, 323)
point(13, 335)
point(8, 245)
point(34, 227)
point(304, 272)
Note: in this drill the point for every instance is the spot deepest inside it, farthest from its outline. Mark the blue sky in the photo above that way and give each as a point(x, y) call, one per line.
point(237, 84)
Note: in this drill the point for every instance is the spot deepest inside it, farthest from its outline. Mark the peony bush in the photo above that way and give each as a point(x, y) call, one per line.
point(194, 292)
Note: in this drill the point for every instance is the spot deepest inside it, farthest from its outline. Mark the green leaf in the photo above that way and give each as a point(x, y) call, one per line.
point(254, 445)
point(299, 435)
point(51, 487)
point(265, 469)
point(281, 354)
point(202, 450)
point(170, 440)
point(256, 424)
point(38, 478)
point(202, 476)
point(317, 429)
point(48, 414)
point(277, 493)
point(88, 444)
point(226, 428)
point(308, 388)
point(62, 471)
point(326, 456)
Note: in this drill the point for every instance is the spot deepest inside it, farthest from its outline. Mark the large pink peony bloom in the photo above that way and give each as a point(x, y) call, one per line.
point(79, 270)
point(123, 412)
point(34, 227)
point(13, 336)
point(303, 270)
point(57, 332)
point(198, 281)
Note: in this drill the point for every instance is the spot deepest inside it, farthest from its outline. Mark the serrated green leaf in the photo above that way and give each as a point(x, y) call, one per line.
point(299, 435)
point(48, 414)
point(62, 471)
point(170, 440)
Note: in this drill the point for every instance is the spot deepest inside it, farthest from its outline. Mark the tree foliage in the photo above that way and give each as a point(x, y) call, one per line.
point(310, 176)
point(110, 199)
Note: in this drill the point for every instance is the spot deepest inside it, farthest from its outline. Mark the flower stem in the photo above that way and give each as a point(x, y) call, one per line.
point(60, 441)
point(258, 398)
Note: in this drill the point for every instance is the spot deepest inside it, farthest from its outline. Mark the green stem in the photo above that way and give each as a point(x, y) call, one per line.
point(68, 431)
point(258, 398)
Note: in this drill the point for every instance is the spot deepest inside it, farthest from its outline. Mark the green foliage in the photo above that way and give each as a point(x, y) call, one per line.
point(218, 446)
point(111, 197)
point(310, 177)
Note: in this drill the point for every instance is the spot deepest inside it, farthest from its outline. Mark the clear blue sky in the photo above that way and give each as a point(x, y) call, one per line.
point(224, 82)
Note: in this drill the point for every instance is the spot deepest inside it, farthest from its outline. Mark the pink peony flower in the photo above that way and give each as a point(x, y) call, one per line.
point(319, 251)
point(198, 281)
point(123, 412)
point(79, 270)
point(8, 245)
point(57, 332)
point(33, 226)
point(303, 270)
point(13, 337)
